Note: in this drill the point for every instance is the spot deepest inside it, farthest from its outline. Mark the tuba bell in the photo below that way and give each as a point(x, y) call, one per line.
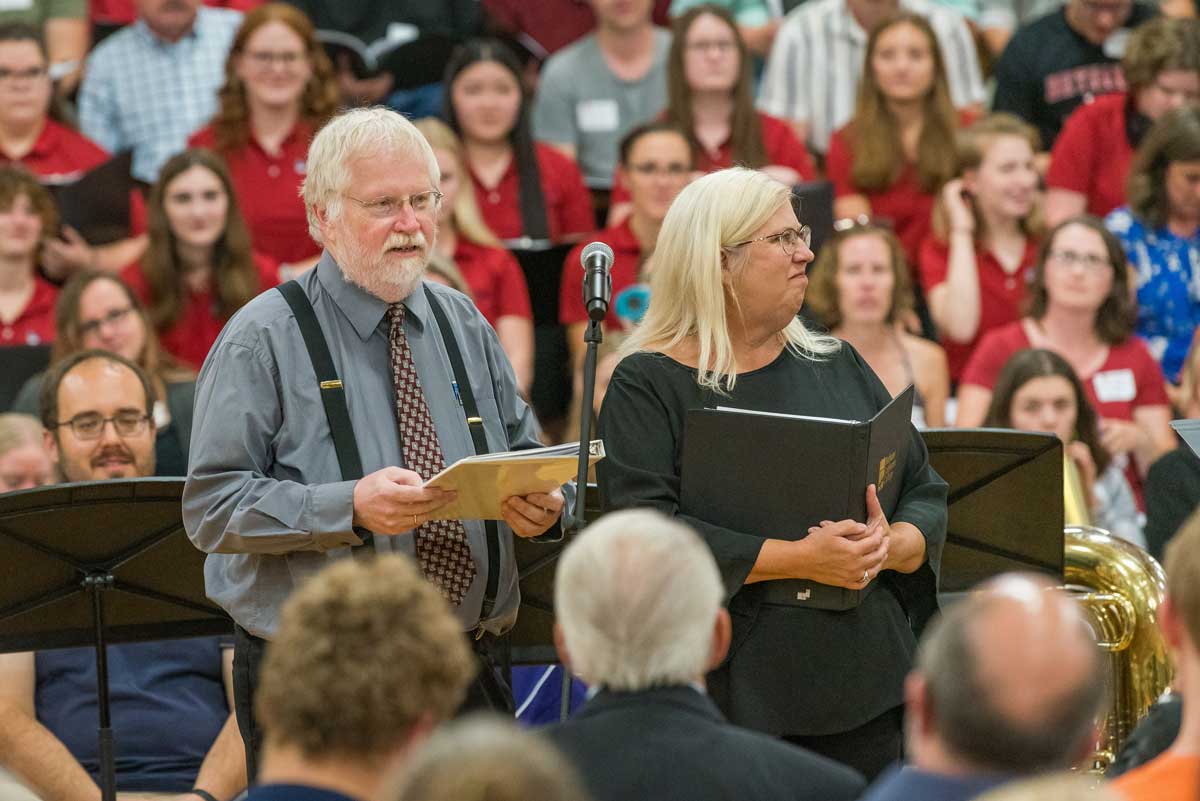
point(1120, 587)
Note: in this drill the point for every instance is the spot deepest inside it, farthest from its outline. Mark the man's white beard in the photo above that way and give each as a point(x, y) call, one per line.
point(385, 276)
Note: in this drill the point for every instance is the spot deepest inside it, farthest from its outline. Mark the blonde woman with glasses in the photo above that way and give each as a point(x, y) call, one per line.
point(732, 260)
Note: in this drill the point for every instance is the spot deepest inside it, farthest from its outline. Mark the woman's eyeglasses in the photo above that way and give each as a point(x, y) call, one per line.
point(789, 239)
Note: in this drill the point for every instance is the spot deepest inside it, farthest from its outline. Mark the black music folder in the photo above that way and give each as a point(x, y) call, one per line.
point(96, 203)
point(779, 474)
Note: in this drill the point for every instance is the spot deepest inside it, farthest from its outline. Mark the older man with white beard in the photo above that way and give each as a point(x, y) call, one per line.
point(323, 407)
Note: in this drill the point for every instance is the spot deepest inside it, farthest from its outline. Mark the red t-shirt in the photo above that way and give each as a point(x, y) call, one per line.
point(495, 279)
point(1167, 777)
point(568, 203)
point(1000, 293)
point(63, 155)
point(1129, 377)
point(268, 192)
point(1092, 154)
point(35, 324)
point(626, 270)
point(783, 148)
point(194, 333)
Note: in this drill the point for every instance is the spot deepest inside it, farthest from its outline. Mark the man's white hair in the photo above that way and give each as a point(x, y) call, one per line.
point(375, 132)
point(637, 596)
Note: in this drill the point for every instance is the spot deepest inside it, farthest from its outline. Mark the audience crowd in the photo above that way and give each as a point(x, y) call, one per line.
point(1008, 198)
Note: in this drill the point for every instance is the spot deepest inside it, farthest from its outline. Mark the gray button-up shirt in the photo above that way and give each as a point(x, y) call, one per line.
point(264, 495)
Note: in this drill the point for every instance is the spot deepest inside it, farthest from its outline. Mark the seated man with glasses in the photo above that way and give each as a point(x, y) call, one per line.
point(171, 700)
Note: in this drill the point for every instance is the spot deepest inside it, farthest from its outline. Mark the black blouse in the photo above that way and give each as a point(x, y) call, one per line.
point(791, 670)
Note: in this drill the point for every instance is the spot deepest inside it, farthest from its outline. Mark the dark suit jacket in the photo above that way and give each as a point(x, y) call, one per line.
point(672, 744)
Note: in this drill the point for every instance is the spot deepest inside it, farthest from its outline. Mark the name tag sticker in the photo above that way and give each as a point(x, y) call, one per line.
point(595, 116)
point(1113, 386)
point(16, 5)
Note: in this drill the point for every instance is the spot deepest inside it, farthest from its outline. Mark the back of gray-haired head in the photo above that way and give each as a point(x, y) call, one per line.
point(637, 597)
point(1014, 676)
point(488, 758)
point(360, 133)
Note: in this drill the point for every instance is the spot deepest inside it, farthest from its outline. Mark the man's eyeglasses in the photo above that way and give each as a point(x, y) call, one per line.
point(385, 207)
point(1070, 259)
point(789, 239)
point(112, 318)
point(90, 425)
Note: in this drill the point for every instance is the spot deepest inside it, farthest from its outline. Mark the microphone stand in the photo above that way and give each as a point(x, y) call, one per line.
point(592, 337)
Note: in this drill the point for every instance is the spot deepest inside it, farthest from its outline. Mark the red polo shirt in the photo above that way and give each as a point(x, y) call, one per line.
point(568, 203)
point(495, 279)
point(35, 324)
point(190, 338)
point(63, 155)
point(626, 271)
point(268, 192)
point(1000, 293)
point(1129, 377)
point(1092, 154)
point(783, 148)
point(123, 12)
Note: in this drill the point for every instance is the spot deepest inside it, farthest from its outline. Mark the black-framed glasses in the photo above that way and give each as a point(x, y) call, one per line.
point(650, 168)
point(385, 207)
point(112, 318)
point(788, 239)
point(90, 425)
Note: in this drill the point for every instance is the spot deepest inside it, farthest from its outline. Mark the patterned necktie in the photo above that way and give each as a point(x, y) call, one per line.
point(442, 549)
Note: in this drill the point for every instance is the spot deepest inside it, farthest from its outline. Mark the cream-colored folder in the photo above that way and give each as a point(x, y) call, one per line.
point(482, 482)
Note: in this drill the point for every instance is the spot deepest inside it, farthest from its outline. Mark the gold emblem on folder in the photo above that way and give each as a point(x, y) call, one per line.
point(887, 471)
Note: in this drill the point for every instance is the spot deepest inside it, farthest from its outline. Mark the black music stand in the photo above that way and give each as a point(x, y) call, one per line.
point(100, 562)
point(1005, 503)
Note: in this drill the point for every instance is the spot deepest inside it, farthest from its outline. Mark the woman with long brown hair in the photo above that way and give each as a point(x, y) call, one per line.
point(279, 90)
point(199, 268)
point(524, 189)
point(96, 310)
point(892, 158)
point(1038, 391)
point(710, 97)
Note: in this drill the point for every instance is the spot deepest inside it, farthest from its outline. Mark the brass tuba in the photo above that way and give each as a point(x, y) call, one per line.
point(1120, 587)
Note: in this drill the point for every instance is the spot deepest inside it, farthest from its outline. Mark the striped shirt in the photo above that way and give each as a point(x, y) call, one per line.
point(813, 70)
point(143, 94)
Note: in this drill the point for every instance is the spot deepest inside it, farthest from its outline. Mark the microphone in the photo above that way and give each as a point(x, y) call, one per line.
point(597, 261)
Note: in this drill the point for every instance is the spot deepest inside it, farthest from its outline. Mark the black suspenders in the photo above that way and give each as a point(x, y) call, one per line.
point(333, 397)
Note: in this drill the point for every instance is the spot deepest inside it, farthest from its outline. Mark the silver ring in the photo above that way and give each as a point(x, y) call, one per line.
point(866, 575)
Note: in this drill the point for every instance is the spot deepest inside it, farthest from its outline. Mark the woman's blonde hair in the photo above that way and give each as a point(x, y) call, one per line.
point(468, 221)
point(694, 247)
point(972, 145)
